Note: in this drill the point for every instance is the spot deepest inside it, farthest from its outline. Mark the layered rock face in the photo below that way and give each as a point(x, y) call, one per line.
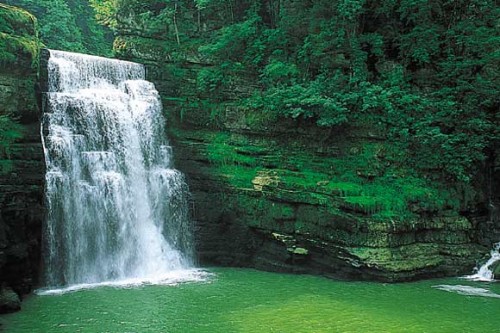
point(273, 201)
point(21, 181)
point(288, 196)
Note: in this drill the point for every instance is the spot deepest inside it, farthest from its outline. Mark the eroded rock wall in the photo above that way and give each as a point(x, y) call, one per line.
point(21, 181)
point(273, 195)
point(282, 194)
point(271, 202)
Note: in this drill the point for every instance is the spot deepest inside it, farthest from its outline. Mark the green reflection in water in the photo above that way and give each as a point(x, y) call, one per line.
point(239, 300)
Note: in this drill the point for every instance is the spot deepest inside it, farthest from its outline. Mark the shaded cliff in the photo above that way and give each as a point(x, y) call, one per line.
point(275, 202)
point(22, 178)
point(280, 179)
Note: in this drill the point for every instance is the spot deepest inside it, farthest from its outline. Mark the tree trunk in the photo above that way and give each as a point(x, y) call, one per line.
point(175, 26)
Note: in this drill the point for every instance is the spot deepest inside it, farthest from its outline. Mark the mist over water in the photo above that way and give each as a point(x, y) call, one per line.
point(117, 208)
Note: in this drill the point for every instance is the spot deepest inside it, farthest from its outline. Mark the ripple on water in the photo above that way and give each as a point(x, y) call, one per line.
point(467, 290)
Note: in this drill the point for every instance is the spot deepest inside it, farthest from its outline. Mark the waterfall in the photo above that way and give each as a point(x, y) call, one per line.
point(117, 208)
point(485, 272)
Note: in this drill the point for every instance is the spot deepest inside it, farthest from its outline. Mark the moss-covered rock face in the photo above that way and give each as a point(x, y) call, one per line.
point(286, 195)
point(21, 184)
point(284, 202)
point(19, 60)
point(19, 38)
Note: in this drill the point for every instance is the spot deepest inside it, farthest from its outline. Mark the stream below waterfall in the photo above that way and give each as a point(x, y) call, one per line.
point(242, 300)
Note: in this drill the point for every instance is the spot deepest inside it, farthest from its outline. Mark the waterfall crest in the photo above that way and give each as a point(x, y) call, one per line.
point(117, 208)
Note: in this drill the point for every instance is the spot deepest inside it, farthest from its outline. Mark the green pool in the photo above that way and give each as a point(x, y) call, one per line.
point(242, 300)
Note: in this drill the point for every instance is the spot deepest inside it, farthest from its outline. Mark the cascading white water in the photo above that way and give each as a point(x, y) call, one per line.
point(116, 206)
point(485, 273)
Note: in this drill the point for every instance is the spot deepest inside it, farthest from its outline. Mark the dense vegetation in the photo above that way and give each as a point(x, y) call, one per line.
point(422, 74)
point(424, 71)
point(18, 47)
point(68, 25)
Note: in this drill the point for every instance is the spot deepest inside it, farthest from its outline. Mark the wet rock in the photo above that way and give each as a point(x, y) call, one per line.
point(21, 185)
point(496, 270)
point(9, 300)
point(284, 219)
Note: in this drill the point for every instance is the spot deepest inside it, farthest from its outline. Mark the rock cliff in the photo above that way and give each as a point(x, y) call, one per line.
point(272, 200)
point(275, 194)
point(286, 195)
point(21, 182)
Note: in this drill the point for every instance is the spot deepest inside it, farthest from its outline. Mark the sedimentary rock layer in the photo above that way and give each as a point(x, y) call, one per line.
point(22, 176)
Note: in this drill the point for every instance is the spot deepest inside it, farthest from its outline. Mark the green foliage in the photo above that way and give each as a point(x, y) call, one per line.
point(18, 36)
point(12, 47)
point(279, 72)
point(296, 101)
point(160, 19)
point(421, 74)
point(239, 44)
point(425, 72)
point(105, 11)
point(15, 21)
point(10, 131)
point(209, 80)
point(68, 25)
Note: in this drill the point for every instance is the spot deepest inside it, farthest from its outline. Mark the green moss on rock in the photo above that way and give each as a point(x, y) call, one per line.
point(411, 257)
point(17, 21)
point(342, 194)
point(19, 42)
point(395, 226)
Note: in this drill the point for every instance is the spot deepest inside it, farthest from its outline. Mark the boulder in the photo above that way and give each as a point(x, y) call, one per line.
point(495, 268)
point(9, 300)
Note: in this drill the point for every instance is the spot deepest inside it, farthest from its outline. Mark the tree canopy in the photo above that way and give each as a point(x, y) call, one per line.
point(424, 72)
point(68, 25)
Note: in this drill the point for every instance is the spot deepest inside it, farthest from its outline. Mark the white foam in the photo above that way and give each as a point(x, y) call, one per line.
point(467, 290)
point(117, 210)
point(485, 273)
point(169, 279)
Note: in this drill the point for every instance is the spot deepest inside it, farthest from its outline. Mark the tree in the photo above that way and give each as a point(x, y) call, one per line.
point(68, 25)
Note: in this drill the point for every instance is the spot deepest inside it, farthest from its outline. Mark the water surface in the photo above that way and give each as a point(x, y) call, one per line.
point(240, 300)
